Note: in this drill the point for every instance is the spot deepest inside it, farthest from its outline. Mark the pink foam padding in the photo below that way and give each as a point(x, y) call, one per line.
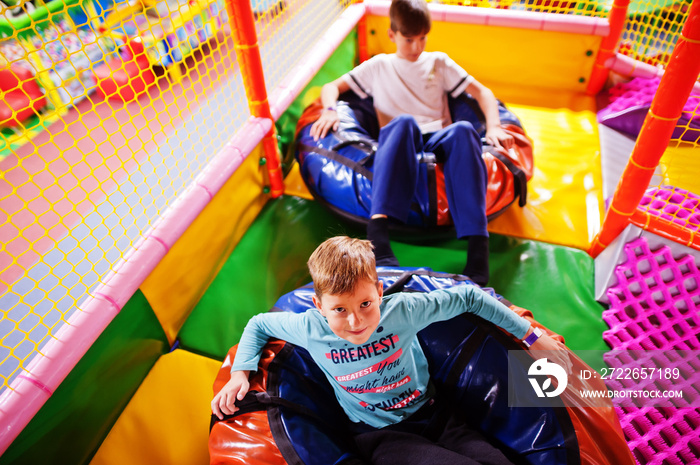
point(661, 436)
point(674, 204)
point(654, 307)
point(638, 91)
point(629, 102)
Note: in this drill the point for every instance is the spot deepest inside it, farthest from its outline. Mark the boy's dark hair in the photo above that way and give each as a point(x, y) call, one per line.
point(409, 17)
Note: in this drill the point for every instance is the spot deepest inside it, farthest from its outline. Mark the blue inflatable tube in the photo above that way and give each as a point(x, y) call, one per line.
point(467, 362)
point(338, 168)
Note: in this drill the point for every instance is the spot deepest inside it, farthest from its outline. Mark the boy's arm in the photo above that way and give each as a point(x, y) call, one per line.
point(423, 309)
point(329, 116)
point(447, 303)
point(494, 311)
point(491, 309)
point(495, 135)
point(289, 327)
point(544, 342)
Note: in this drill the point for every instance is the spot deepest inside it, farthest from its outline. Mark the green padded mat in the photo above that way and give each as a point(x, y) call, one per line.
point(554, 282)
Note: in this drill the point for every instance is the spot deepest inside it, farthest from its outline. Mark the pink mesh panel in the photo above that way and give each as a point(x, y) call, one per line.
point(673, 204)
point(654, 306)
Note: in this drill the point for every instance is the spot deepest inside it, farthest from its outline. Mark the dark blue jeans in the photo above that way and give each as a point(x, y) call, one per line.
point(457, 146)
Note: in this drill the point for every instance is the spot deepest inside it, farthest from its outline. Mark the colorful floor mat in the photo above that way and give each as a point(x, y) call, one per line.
point(167, 420)
point(554, 282)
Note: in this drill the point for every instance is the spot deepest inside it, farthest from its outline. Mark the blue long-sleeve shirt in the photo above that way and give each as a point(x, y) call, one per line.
point(386, 379)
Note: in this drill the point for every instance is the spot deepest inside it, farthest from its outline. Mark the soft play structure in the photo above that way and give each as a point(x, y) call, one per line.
point(139, 234)
point(126, 76)
point(338, 168)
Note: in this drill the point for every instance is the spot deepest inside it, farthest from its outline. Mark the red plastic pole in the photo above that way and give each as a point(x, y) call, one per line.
point(248, 54)
point(667, 106)
point(362, 51)
point(599, 74)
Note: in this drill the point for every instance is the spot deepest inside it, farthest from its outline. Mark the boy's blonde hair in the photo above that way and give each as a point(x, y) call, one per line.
point(339, 263)
point(409, 17)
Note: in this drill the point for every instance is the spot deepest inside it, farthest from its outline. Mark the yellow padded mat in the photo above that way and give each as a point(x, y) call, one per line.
point(679, 167)
point(565, 195)
point(167, 420)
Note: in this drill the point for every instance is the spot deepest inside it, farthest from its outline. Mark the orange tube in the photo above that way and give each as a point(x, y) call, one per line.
point(362, 52)
point(250, 63)
point(667, 229)
point(674, 89)
point(599, 74)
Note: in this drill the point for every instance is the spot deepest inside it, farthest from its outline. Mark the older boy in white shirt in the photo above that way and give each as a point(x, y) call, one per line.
point(409, 89)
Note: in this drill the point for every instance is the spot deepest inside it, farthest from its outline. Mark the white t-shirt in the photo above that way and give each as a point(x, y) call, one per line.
point(399, 86)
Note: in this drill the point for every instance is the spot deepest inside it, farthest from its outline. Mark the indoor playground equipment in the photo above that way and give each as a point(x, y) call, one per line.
point(138, 237)
point(72, 48)
point(23, 97)
point(170, 31)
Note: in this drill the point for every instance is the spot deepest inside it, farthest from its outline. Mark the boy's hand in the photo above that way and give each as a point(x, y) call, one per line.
point(498, 137)
point(558, 351)
point(329, 120)
point(236, 389)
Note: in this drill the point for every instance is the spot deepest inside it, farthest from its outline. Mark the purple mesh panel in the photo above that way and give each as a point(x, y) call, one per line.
point(654, 306)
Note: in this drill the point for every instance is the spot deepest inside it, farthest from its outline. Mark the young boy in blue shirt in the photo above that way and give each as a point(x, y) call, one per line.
point(409, 90)
point(366, 345)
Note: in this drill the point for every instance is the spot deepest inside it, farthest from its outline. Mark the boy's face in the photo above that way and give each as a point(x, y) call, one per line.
point(353, 316)
point(408, 48)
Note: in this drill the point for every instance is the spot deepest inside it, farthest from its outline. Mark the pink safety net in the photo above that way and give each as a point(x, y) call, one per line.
point(654, 308)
